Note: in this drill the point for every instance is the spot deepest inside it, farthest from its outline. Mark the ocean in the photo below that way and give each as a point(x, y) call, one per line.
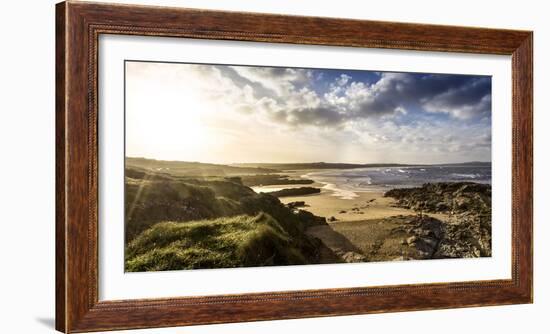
point(346, 182)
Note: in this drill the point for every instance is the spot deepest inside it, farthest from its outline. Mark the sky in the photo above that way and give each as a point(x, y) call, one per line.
point(246, 114)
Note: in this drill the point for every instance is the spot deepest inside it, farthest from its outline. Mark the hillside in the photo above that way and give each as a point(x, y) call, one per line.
point(184, 168)
point(196, 211)
point(218, 243)
point(331, 165)
point(314, 165)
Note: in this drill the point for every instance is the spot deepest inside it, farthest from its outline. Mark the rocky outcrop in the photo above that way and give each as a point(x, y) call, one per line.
point(271, 179)
point(465, 231)
point(422, 236)
point(296, 204)
point(301, 191)
point(465, 235)
point(445, 197)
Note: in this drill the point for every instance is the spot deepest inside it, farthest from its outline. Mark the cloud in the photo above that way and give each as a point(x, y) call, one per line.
point(316, 115)
point(435, 141)
point(295, 97)
point(461, 97)
point(280, 80)
point(381, 98)
point(344, 78)
point(472, 99)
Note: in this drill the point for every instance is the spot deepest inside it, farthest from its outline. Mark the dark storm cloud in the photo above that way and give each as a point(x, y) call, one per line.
point(458, 95)
point(470, 100)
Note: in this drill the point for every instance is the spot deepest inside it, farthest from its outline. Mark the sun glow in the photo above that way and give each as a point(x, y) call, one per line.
point(229, 114)
point(165, 120)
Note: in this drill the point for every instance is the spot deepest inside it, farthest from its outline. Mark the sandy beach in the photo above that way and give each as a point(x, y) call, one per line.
point(342, 205)
point(367, 205)
point(361, 225)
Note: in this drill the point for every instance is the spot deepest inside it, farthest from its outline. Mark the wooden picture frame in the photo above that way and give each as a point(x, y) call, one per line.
point(78, 26)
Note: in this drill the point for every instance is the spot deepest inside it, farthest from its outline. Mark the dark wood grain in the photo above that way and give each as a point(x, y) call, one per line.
point(522, 166)
point(78, 27)
point(60, 181)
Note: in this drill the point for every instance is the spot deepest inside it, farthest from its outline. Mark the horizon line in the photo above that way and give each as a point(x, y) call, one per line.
point(310, 162)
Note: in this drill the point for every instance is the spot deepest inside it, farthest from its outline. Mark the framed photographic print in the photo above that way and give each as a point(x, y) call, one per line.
point(222, 166)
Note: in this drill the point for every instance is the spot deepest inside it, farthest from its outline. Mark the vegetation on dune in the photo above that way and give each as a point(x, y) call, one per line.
point(185, 168)
point(149, 202)
point(140, 173)
point(181, 222)
point(237, 241)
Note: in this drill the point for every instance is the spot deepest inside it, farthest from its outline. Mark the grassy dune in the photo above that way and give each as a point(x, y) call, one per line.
point(219, 243)
point(175, 222)
point(184, 168)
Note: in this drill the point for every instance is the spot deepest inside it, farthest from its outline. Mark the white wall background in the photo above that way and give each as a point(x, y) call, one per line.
point(27, 165)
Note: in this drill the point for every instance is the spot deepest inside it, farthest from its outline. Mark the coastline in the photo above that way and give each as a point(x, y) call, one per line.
point(340, 203)
point(314, 217)
point(344, 203)
point(410, 223)
point(367, 205)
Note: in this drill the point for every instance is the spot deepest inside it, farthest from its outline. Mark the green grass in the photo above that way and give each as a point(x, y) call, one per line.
point(149, 202)
point(238, 241)
point(195, 169)
point(175, 222)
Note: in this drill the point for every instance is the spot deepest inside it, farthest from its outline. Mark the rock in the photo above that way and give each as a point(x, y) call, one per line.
point(411, 240)
point(432, 243)
point(351, 257)
point(441, 206)
point(467, 233)
point(309, 219)
point(342, 211)
point(297, 204)
point(301, 191)
point(461, 203)
point(424, 255)
point(441, 197)
point(332, 219)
